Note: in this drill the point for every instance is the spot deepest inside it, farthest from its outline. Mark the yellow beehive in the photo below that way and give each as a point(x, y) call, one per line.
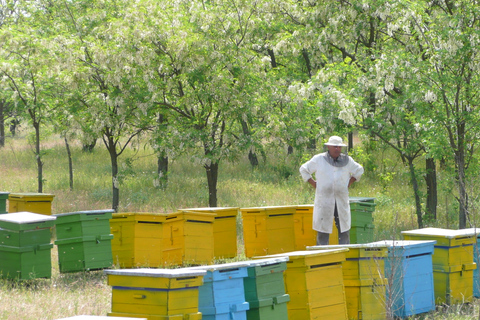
point(224, 230)
point(364, 279)
point(155, 293)
point(32, 202)
point(268, 230)
point(314, 281)
point(137, 239)
point(188, 238)
point(453, 262)
point(304, 234)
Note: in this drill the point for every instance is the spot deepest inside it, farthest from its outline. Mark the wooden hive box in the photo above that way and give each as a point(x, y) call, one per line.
point(156, 293)
point(25, 248)
point(362, 227)
point(476, 259)
point(30, 202)
point(84, 240)
point(268, 230)
point(453, 262)
point(222, 295)
point(188, 238)
point(409, 271)
point(304, 234)
point(314, 282)
point(137, 239)
point(265, 289)
point(364, 279)
point(224, 230)
point(3, 202)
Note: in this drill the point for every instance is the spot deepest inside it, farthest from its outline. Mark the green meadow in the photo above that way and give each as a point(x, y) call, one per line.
point(275, 182)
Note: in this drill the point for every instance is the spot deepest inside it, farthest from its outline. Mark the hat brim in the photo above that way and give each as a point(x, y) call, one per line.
point(335, 144)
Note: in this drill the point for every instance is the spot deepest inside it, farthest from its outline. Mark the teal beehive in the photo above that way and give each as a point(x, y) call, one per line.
point(222, 295)
point(25, 248)
point(84, 240)
point(265, 289)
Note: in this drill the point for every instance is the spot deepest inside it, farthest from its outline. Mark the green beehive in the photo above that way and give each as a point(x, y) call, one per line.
point(362, 219)
point(84, 240)
point(265, 289)
point(25, 248)
point(3, 202)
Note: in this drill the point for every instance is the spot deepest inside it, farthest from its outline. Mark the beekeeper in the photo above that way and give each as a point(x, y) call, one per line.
point(334, 173)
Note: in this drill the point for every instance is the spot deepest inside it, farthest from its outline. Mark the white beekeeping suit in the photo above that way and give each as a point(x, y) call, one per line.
point(332, 181)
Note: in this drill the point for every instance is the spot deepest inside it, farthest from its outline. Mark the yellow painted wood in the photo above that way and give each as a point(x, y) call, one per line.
point(137, 239)
point(31, 202)
point(444, 237)
point(190, 316)
point(224, 230)
point(365, 302)
point(452, 286)
point(268, 230)
point(314, 281)
point(188, 238)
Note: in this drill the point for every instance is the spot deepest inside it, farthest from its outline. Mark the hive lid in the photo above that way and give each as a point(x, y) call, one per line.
point(353, 246)
point(223, 266)
point(157, 273)
point(405, 243)
point(443, 233)
point(30, 195)
point(210, 209)
point(25, 217)
point(86, 212)
point(361, 199)
point(304, 253)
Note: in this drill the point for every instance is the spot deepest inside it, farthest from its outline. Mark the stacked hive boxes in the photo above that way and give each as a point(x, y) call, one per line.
point(364, 279)
point(362, 219)
point(314, 282)
point(268, 230)
point(265, 289)
point(453, 263)
point(3, 202)
point(137, 239)
point(84, 240)
point(409, 271)
point(156, 293)
point(188, 238)
point(32, 202)
point(222, 295)
point(476, 258)
point(25, 248)
point(224, 230)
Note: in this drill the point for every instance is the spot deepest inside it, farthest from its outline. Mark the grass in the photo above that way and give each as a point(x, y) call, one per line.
point(276, 182)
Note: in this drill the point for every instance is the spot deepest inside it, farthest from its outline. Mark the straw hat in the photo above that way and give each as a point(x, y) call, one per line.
point(335, 141)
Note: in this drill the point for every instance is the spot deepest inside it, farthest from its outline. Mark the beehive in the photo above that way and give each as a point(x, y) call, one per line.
point(30, 202)
point(409, 271)
point(84, 240)
point(364, 279)
point(188, 238)
point(453, 262)
point(25, 248)
point(3, 202)
point(137, 239)
point(314, 282)
point(224, 230)
point(268, 230)
point(362, 227)
point(222, 295)
point(305, 236)
point(83, 317)
point(476, 259)
point(265, 289)
point(155, 293)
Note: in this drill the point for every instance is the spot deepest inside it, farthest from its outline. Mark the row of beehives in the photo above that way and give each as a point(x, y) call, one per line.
point(357, 281)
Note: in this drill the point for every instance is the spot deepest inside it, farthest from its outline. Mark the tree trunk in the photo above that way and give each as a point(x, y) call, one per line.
point(416, 191)
point(112, 150)
point(2, 123)
point(38, 155)
point(289, 150)
point(162, 170)
point(212, 178)
point(89, 147)
point(252, 157)
point(462, 193)
point(350, 141)
point(431, 181)
point(70, 163)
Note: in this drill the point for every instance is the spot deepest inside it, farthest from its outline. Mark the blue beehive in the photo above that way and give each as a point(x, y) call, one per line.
point(409, 271)
point(476, 259)
point(222, 295)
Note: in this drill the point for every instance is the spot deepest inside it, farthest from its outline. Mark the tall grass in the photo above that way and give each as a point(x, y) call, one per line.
point(275, 182)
